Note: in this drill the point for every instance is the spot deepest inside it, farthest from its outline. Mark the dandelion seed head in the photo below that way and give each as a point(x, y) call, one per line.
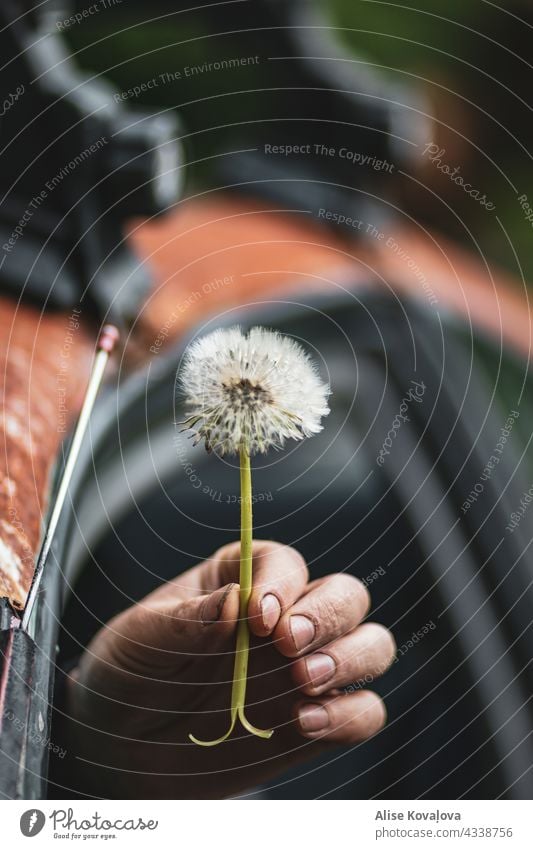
point(252, 390)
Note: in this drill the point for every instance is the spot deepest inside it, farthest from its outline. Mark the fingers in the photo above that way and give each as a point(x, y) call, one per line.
point(163, 630)
point(280, 576)
point(170, 623)
point(331, 608)
point(356, 658)
point(341, 719)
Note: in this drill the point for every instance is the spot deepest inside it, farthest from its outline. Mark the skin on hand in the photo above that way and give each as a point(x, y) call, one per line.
point(163, 669)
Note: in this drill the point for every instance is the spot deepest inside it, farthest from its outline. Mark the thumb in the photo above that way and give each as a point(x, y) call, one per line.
point(163, 631)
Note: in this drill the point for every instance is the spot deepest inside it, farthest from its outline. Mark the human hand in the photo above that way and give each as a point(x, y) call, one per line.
point(163, 668)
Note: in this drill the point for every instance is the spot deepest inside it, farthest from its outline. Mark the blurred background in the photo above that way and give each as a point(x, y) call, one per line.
point(431, 97)
point(469, 60)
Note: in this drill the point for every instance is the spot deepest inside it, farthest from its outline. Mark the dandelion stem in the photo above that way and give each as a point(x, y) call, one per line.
point(245, 580)
point(242, 649)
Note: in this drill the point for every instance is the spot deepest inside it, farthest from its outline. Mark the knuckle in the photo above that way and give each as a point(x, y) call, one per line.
point(134, 623)
point(268, 548)
point(132, 636)
point(373, 715)
point(175, 620)
point(342, 582)
point(280, 570)
point(350, 588)
point(329, 620)
point(300, 564)
point(363, 661)
point(350, 591)
point(381, 645)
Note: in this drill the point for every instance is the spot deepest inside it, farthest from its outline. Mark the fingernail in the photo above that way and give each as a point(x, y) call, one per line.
point(320, 668)
point(270, 612)
point(313, 718)
point(302, 631)
point(214, 604)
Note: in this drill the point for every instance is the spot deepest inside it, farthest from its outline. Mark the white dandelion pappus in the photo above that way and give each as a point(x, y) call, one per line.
point(251, 390)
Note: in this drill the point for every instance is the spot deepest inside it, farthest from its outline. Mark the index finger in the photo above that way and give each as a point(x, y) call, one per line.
point(280, 575)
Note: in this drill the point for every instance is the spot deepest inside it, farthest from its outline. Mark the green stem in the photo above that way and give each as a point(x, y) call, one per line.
point(245, 580)
point(242, 649)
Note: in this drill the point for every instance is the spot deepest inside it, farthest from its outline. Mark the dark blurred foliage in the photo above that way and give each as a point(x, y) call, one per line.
point(470, 57)
point(474, 59)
